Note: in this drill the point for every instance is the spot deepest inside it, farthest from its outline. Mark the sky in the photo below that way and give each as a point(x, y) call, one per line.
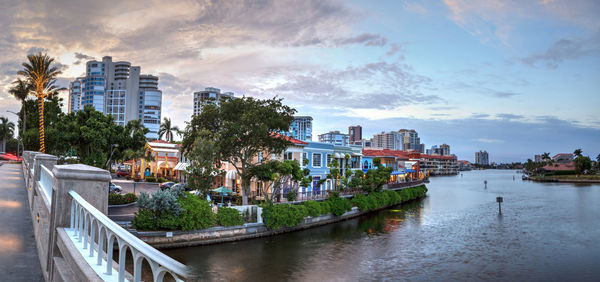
point(514, 78)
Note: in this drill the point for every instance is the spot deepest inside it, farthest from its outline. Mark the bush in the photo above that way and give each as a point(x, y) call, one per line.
point(144, 219)
point(284, 215)
point(314, 208)
point(118, 199)
point(339, 205)
point(161, 180)
point(291, 196)
point(364, 203)
point(196, 214)
point(150, 179)
point(229, 217)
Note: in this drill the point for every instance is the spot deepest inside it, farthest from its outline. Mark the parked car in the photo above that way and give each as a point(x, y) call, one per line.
point(112, 188)
point(122, 173)
point(184, 186)
point(166, 185)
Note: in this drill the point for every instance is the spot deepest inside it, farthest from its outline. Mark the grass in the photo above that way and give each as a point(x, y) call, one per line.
point(571, 177)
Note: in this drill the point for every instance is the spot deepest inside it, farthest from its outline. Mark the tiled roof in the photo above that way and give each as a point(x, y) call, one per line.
point(403, 154)
point(293, 140)
point(567, 166)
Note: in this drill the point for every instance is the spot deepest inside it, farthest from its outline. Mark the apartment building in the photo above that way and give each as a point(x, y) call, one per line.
point(334, 137)
point(209, 95)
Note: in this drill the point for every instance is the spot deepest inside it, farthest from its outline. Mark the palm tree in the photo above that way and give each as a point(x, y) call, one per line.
point(41, 75)
point(578, 152)
point(7, 129)
point(21, 90)
point(167, 130)
point(135, 155)
point(546, 157)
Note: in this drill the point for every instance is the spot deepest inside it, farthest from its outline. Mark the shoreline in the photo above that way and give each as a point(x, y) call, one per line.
point(550, 179)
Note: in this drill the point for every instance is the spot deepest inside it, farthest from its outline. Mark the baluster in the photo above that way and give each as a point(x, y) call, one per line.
point(122, 256)
point(109, 251)
point(92, 235)
point(86, 222)
point(101, 231)
point(72, 223)
point(137, 265)
point(81, 215)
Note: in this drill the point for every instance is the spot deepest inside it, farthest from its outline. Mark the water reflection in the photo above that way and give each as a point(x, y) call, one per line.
point(545, 232)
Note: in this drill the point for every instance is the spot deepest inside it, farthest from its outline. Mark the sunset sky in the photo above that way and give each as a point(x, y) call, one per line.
point(515, 78)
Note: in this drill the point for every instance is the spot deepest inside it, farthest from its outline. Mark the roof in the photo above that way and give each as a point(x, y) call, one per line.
point(162, 144)
point(563, 154)
point(293, 140)
point(564, 166)
point(385, 153)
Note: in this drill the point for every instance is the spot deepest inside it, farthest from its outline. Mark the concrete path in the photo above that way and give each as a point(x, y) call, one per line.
point(18, 255)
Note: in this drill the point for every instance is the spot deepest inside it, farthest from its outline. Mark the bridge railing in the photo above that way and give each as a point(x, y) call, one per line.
point(90, 230)
point(46, 179)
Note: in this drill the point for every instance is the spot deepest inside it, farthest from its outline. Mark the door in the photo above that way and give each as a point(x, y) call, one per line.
point(315, 183)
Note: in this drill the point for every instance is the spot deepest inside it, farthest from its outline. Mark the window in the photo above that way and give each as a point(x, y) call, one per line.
point(316, 160)
point(328, 159)
point(304, 157)
point(287, 156)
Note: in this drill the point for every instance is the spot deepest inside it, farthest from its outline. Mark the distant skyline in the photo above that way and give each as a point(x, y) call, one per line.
point(514, 78)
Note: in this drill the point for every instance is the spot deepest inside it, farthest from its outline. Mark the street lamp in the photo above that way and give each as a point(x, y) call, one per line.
point(20, 140)
point(112, 150)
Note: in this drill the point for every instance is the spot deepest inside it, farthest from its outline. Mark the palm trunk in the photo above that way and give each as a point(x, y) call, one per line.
point(42, 133)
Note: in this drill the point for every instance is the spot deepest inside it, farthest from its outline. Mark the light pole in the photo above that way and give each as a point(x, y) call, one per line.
point(20, 140)
point(112, 150)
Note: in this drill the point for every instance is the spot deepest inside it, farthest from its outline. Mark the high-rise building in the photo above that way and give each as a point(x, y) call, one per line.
point(75, 95)
point(355, 133)
point(538, 158)
point(334, 137)
point(388, 140)
point(481, 158)
point(118, 89)
point(411, 140)
point(209, 95)
point(301, 128)
point(442, 150)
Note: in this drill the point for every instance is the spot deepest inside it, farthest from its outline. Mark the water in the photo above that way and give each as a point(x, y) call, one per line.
point(547, 231)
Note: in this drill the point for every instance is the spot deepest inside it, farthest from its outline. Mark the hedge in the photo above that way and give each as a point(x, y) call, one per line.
point(118, 199)
point(229, 217)
point(195, 214)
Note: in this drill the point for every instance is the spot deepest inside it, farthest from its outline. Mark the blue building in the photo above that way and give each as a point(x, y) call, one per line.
point(319, 155)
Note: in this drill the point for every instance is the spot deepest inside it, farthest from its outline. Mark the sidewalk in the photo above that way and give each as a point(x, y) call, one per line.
point(18, 255)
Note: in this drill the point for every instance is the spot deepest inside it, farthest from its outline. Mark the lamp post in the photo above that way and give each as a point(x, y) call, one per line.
point(20, 140)
point(112, 150)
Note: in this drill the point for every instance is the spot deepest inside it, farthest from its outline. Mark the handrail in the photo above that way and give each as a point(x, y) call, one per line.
point(46, 178)
point(82, 215)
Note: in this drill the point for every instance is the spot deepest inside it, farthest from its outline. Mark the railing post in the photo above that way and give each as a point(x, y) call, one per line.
point(28, 160)
point(90, 183)
point(49, 161)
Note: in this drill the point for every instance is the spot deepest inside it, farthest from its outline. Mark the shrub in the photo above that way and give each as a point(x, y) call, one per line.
point(339, 205)
point(291, 196)
point(150, 179)
point(229, 217)
point(118, 199)
point(161, 180)
point(394, 197)
point(284, 215)
point(144, 219)
point(196, 213)
point(364, 203)
point(314, 208)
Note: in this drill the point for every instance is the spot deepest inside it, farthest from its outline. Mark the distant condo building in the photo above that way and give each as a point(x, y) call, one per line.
point(334, 137)
point(355, 133)
point(411, 140)
point(403, 139)
point(442, 150)
point(481, 158)
point(210, 95)
point(363, 143)
point(118, 89)
point(538, 158)
point(301, 128)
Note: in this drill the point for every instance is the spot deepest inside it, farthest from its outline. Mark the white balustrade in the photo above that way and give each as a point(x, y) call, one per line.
point(90, 230)
point(45, 183)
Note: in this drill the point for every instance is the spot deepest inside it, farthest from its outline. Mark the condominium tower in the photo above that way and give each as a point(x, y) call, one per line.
point(481, 158)
point(209, 95)
point(355, 133)
point(301, 128)
point(118, 89)
point(334, 137)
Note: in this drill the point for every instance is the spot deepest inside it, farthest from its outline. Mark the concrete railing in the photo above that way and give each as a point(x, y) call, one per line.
point(90, 230)
point(73, 236)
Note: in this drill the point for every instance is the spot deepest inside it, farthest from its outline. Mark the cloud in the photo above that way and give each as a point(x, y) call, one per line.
point(480, 115)
point(564, 49)
point(367, 39)
point(509, 116)
point(501, 94)
point(485, 140)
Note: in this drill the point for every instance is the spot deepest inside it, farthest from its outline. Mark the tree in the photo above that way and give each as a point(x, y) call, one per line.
point(204, 165)
point(135, 155)
point(40, 73)
point(582, 164)
point(278, 176)
point(546, 157)
point(577, 152)
point(375, 178)
point(167, 129)
point(244, 127)
point(7, 130)
point(21, 90)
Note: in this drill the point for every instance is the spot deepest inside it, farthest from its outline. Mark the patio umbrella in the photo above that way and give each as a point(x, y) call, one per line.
point(222, 190)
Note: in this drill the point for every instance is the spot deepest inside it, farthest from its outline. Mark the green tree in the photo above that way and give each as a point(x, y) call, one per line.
point(167, 129)
point(375, 178)
point(577, 153)
point(546, 157)
point(7, 130)
point(245, 127)
point(204, 165)
point(21, 90)
point(582, 163)
point(279, 175)
point(41, 75)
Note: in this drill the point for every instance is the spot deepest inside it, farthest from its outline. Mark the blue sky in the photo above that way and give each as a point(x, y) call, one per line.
point(514, 78)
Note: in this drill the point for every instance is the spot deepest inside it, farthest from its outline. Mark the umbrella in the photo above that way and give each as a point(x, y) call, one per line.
point(222, 190)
